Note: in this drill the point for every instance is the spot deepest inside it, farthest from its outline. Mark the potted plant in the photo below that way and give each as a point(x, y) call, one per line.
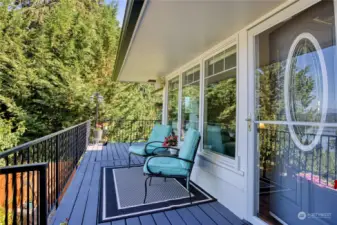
point(171, 140)
point(98, 133)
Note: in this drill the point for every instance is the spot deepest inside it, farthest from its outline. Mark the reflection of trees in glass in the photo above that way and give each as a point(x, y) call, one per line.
point(221, 103)
point(191, 94)
point(173, 105)
point(275, 144)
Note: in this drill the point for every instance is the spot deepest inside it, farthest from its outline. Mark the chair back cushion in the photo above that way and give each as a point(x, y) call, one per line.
point(190, 147)
point(159, 132)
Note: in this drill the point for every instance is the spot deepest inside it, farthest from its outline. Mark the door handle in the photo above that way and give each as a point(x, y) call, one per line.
point(249, 122)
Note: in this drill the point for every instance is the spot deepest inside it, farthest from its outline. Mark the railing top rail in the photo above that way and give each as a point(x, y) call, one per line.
point(23, 168)
point(108, 120)
point(36, 141)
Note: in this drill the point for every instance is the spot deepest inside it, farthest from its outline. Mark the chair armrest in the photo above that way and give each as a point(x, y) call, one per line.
point(151, 143)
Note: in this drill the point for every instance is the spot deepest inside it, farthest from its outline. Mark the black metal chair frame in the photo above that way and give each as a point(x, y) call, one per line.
point(152, 174)
point(145, 147)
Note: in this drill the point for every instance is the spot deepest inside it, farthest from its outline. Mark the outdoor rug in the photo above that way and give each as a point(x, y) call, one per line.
point(122, 193)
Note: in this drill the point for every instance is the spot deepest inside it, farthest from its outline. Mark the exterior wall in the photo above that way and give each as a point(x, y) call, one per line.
point(225, 185)
point(232, 182)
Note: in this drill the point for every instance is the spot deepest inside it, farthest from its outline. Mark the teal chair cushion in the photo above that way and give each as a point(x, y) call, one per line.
point(166, 166)
point(139, 149)
point(189, 148)
point(160, 132)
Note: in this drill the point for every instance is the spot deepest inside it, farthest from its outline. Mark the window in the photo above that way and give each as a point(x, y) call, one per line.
point(220, 103)
point(190, 100)
point(173, 96)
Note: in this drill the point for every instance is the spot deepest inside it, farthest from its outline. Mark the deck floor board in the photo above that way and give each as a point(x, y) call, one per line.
point(80, 201)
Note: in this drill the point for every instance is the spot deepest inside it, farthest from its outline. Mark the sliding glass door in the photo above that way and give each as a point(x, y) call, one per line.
point(296, 119)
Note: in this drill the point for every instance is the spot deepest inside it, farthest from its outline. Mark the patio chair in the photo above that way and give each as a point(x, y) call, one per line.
point(174, 166)
point(156, 140)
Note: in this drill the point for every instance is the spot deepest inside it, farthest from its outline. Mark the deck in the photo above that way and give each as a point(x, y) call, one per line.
point(80, 202)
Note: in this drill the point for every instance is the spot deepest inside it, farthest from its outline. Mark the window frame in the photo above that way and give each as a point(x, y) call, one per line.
point(232, 164)
point(220, 159)
point(168, 99)
point(190, 67)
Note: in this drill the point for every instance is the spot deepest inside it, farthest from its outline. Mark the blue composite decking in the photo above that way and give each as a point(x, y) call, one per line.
point(80, 202)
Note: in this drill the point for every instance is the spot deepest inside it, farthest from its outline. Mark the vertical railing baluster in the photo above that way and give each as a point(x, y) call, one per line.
point(76, 147)
point(14, 207)
point(43, 197)
point(328, 162)
point(320, 161)
point(33, 187)
point(28, 181)
point(6, 195)
point(57, 168)
point(21, 191)
point(335, 158)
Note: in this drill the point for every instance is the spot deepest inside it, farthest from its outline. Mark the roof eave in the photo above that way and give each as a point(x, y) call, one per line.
point(132, 13)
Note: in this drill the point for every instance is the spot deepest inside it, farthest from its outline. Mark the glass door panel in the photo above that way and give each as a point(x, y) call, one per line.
point(296, 119)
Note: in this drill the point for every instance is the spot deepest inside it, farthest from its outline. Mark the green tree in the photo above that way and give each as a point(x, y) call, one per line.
point(53, 57)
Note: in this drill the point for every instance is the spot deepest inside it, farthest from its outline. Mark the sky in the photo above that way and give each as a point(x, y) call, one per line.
point(121, 9)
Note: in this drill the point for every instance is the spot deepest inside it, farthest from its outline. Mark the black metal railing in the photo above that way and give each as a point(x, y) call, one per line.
point(128, 130)
point(279, 153)
point(27, 214)
point(21, 197)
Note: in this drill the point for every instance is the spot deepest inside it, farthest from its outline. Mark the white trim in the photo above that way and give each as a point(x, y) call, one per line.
point(141, 15)
point(287, 77)
point(224, 71)
point(201, 103)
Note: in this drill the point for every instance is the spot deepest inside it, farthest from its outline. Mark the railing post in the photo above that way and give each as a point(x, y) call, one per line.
point(76, 149)
point(43, 197)
point(57, 169)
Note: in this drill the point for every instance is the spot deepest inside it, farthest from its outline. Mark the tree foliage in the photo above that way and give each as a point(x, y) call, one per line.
point(53, 57)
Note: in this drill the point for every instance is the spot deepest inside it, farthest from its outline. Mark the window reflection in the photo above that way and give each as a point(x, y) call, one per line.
point(220, 103)
point(173, 95)
point(190, 100)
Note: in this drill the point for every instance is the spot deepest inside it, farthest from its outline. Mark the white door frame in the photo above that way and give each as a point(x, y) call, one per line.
point(284, 13)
